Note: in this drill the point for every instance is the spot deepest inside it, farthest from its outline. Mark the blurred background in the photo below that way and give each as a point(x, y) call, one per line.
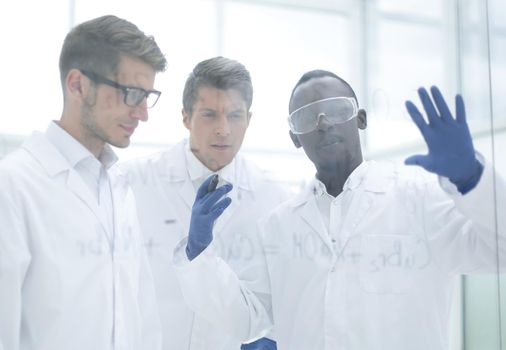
point(386, 49)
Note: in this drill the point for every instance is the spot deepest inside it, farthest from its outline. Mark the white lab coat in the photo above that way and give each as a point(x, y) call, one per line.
point(384, 283)
point(60, 286)
point(165, 194)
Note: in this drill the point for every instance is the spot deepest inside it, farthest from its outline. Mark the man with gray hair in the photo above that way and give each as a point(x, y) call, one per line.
point(216, 110)
point(73, 272)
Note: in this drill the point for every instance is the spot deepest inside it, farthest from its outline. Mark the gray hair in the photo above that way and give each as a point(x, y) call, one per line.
point(221, 73)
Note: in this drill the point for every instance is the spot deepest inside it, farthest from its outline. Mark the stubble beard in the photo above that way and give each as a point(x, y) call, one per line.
point(94, 133)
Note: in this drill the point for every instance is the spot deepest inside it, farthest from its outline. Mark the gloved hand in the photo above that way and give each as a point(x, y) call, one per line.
point(451, 151)
point(206, 209)
point(260, 344)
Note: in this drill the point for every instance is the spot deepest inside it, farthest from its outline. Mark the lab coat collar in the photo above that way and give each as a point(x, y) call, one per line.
point(46, 153)
point(199, 171)
point(177, 169)
point(378, 176)
point(353, 181)
point(366, 183)
point(74, 151)
point(375, 177)
point(180, 159)
point(67, 146)
point(54, 163)
point(58, 151)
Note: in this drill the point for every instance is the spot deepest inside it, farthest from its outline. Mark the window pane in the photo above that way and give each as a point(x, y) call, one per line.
point(311, 4)
point(498, 14)
point(29, 68)
point(405, 56)
point(186, 33)
point(427, 8)
point(278, 45)
point(277, 52)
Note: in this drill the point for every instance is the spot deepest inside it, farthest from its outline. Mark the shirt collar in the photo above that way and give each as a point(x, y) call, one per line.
point(108, 157)
point(356, 177)
point(73, 151)
point(199, 171)
point(353, 181)
point(319, 188)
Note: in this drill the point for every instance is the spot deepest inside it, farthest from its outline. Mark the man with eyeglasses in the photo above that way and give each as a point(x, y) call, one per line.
point(366, 257)
point(217, 98)
point(73, 270)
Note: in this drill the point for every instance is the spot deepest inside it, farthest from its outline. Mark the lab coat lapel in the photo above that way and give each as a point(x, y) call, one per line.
point(311, 215)
point(76, 184)
point(360, 205)
point(171, 177)
point(176, 177)
point(308, 210)
point(374, 185)
point(187, 193)
point(173, 182)
point(243, 186)
point(54, 163)
point(228, 213)
point(122, 239)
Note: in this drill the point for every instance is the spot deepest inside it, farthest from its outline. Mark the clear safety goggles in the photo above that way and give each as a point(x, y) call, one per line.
point(336, 110)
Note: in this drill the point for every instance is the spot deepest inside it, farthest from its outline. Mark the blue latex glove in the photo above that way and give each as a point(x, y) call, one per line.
point(206, 209)
point(451, 151)
point(260, 344)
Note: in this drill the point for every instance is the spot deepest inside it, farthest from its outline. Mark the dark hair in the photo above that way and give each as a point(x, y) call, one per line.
point(317, 73)
point(221, 73)
point(97, 45)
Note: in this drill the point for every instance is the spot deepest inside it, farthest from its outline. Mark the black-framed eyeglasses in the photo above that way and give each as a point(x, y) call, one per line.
point(133, 96)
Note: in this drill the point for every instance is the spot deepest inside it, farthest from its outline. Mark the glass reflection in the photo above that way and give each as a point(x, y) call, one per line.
point(385, 48)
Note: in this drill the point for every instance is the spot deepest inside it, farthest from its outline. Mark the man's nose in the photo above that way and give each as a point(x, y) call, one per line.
point(140, 111)
point(223, 126)
point(323, 122)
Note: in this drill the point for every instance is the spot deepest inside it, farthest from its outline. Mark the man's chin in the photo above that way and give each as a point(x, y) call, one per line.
point(121, 144)
point(217, 163)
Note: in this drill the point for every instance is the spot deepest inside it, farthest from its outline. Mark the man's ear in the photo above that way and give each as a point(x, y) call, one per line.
point(249, 117)
point(362, 119)
point(186, 119)
point(295, 139)
point(75, 84)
